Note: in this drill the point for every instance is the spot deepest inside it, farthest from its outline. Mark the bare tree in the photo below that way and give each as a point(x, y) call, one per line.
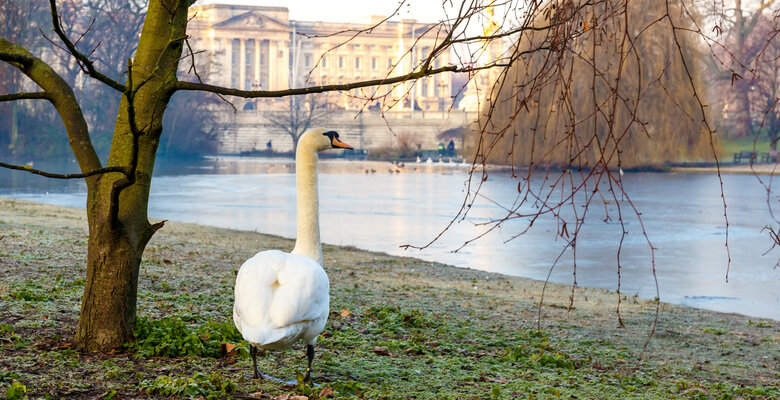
point(590, 88)
point(12, 15)
point(300, 113)
point(765, 91)
point(742, 33)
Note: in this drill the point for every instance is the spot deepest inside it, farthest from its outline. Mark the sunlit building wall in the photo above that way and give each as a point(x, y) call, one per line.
point(259, 47)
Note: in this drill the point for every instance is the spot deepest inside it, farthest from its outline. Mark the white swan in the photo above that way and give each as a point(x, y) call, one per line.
point(281, 298)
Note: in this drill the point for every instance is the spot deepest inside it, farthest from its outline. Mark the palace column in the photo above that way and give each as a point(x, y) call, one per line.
point(283, 64)
point(242, 65)
point(227, 63)
point(271, 64)
point(257, 63)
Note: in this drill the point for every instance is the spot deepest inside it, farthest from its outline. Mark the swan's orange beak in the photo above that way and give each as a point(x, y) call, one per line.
point(338, 144)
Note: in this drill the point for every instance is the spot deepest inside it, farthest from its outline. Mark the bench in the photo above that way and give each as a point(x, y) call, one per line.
point(770, 156)
point(748, 155)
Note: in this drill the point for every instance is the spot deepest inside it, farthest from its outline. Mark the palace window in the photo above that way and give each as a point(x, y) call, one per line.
point(357, 62)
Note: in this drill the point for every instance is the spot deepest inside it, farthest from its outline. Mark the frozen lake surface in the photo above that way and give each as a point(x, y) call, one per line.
point(682, 214)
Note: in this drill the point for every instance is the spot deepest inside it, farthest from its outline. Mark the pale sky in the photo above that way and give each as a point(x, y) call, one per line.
point(349, 10)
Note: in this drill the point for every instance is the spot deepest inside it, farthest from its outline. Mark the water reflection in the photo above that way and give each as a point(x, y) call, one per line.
point(682, 215)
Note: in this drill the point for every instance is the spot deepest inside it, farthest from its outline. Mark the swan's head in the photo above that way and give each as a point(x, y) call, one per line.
point(319, 139)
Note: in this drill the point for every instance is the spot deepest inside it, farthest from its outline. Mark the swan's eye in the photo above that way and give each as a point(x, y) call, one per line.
point(331, 135)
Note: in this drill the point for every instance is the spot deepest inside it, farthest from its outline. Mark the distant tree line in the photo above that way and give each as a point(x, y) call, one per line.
point(635, 84)
point(743, 67)
point(32, 129)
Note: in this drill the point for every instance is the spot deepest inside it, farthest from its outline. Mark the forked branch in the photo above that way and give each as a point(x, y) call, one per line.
point(84, 61)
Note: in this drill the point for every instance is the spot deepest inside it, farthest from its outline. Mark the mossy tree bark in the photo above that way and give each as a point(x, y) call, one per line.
point(117, 238)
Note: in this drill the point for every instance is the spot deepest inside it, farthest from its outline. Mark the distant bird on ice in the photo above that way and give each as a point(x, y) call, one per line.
point(280, 297)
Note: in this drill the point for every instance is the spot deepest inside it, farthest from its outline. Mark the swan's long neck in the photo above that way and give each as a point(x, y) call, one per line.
point(308, 240)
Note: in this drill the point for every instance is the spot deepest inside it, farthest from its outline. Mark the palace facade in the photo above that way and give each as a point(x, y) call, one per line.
point(258, 47)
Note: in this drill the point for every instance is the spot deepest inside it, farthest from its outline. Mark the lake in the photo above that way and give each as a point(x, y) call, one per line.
point(381, 211)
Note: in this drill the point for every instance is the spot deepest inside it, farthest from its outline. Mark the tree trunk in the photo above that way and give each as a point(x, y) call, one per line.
point(742, 86)
point(117, 242)
point(14, 130)
point(742, 113)
point(108, 308)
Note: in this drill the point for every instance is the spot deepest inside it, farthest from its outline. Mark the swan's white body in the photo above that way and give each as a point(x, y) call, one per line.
point(281, 298)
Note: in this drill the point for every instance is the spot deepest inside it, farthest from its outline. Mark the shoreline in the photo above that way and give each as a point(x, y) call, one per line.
point(339, 165)
point(70, 214)
point(681, 301)
point(736, 169)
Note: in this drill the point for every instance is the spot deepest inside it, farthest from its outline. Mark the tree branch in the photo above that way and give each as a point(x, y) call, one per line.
point(61, 96)
point(23, 60)
point(62, 176)
point(182, 85)
point(80, 57)
point(25, 96)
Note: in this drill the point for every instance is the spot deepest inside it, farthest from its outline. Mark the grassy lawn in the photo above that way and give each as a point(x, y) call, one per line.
point(731, 146)
point(400, 328)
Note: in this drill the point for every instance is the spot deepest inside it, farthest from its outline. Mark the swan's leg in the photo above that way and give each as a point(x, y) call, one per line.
point(253, 352)
point(310, 357)
point(257, 375)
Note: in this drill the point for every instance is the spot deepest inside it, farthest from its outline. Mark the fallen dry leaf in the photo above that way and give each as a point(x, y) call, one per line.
point(229, 350)
point(346, 313)
point(381, 350)
point(327, 392)
point(485, 378)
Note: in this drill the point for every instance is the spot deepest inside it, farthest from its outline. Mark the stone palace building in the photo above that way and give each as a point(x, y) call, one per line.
point(260, 47)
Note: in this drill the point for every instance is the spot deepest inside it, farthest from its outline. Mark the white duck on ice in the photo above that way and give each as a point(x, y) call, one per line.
point(280, 297)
